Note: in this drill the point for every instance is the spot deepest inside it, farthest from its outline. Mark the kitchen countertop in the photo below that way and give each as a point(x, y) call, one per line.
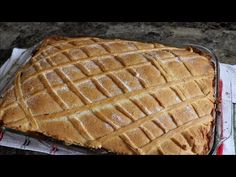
point(219, 37)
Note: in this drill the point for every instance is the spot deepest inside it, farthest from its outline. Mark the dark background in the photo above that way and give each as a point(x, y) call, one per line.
point(220, 37)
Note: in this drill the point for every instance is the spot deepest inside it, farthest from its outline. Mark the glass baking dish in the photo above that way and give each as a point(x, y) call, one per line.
point(216, 138)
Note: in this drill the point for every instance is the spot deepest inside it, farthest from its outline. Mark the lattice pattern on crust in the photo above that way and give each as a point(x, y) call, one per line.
point(127, 97)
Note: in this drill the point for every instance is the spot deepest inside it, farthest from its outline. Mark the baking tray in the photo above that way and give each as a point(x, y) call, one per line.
point(216, 138)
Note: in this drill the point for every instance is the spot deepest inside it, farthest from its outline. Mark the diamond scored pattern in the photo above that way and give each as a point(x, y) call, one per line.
point(93, 74)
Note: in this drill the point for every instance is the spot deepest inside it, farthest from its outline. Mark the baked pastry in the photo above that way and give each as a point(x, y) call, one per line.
point(124, 96)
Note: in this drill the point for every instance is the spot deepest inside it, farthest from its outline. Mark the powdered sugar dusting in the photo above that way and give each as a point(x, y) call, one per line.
point(63, 89)
point(95, 46)
point(60, 119)
point(169, 60)
point(86, 84)
point(177, 99)
point(159, 108)
point(189, 60)
point(127, 86)
point(102, 78)
point(188, 109)
point(107, 126)
point(71, 69)
point(116, 117)
point(89, 65)
point(81, 114)
point(89, 84)
point(137, 74)
point(126, 83)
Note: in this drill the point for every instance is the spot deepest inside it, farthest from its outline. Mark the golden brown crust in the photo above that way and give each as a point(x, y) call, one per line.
point(125, 96)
